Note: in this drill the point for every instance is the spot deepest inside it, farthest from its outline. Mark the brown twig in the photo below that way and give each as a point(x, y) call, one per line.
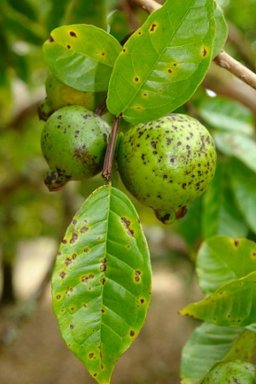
point(223, 59)
point(109, 156)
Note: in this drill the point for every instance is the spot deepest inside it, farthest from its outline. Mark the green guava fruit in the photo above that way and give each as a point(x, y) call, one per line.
point(167, 163)
point(232, 372)
point(73, 142)
point(60, 94)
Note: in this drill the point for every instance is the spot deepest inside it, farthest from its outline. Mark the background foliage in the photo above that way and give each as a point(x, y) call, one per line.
point(226, 106)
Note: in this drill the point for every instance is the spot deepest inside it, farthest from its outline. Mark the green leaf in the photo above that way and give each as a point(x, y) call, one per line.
point(82, 56)
point(241, 146)
point(222, 259)
point(220, 213)
point(207, 345)
point(234, 304)
point(221, 30)
point(163, 62)
point(244, 187)
point(228, 115)
point(101, 281)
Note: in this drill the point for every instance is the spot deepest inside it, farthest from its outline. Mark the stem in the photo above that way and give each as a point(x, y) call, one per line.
point(109, 156)
point(223, 59)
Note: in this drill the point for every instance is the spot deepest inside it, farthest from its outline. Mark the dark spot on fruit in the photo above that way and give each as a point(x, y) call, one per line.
point(51, 39)
point(181, 212)
point(68, 46)
point(127, 224)
point(169, 70)
point(73, 34)
point(153, 144)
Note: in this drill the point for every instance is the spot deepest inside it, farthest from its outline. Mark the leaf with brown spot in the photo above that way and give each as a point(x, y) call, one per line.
point(82, 56)
point(108, 282)
point(166, 58)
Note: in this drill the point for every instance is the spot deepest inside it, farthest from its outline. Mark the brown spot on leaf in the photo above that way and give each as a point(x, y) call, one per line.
point(68, 46)
point(132, 333)
point(71, 326)
point(137, 276)
point(86, 278)
point(91, 355)
point(236, 243)
point(103, 280)
point(153, 27)
point(74, 237)
point(103, 265)
point(204, 51)
point(72, 34)
point(58, 297)
point(127, 224)
point(62, 274)
point(84, 229)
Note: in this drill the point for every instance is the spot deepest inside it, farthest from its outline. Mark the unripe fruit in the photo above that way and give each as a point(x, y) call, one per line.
point(232, 372)
point(167, 163)
point(60, 94)
point(73, 142)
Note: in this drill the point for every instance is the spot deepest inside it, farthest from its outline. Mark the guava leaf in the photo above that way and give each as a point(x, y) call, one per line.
point(101, 281)
point(221, 31)
point(82, 56)
point(207, 345)
point(241, 146)
point(243, 181)
point(243, 347)
point(233, 304)
point(220, 212)
point(164, 61)
point(222, 259)
point(227, 115)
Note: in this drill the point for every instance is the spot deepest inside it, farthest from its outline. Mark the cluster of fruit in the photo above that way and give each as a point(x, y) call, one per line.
point(165, 163)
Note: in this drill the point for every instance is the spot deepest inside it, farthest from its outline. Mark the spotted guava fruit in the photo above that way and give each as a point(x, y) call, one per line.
point(232, 372)
point(60, 94)
point(167, 163)
point(73, 142)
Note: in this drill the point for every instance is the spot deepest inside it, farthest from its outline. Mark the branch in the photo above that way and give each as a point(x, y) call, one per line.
point(223, 59)
point(109, 156)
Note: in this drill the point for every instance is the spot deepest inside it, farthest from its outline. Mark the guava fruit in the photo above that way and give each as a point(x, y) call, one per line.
point(167, 163)
point(73, 142)
point(231, 372)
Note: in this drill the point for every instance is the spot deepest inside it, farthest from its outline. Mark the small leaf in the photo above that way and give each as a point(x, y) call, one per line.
point(101, 281)
point(81, 56)
point(241, 146)
point(221, 31)
point(208, 344)
point(163, 62)
point(234, 304)
point(222, 259)
point(244, 187)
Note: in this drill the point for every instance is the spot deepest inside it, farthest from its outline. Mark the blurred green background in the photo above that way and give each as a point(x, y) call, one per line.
point(33, 220)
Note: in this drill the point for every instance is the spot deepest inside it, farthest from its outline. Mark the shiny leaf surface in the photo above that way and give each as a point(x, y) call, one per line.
point(164, 61)
point(101, 282)
point(81, 56)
